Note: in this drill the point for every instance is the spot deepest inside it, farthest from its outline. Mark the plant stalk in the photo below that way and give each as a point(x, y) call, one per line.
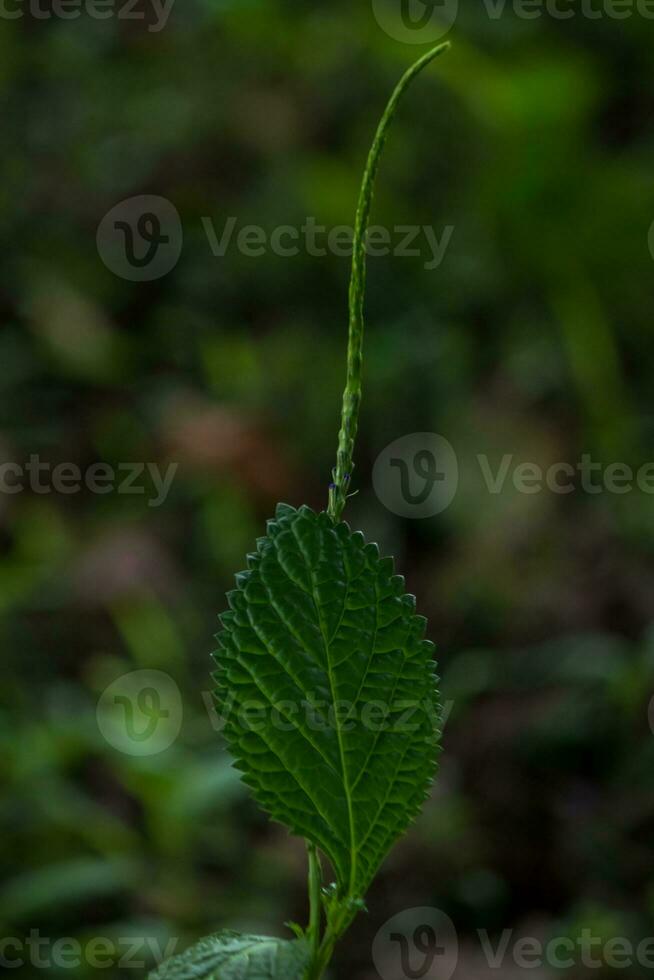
point(315, 900)
point(323, 948)
point(342, 473)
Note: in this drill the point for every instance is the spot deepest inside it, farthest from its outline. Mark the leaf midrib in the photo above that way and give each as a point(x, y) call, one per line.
point(339, 734)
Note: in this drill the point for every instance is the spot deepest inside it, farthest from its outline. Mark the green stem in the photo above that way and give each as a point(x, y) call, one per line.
point(342, 474)
point(338, 923)
point(315, 885)
point(321, 957)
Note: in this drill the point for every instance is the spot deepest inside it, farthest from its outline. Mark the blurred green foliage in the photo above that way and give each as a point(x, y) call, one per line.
point(534, 139)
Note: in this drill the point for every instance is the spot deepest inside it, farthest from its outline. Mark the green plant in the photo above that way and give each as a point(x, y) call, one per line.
point(320, 621)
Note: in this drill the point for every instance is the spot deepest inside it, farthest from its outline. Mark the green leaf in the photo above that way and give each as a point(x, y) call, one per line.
point(328, 691)
point(232, 956)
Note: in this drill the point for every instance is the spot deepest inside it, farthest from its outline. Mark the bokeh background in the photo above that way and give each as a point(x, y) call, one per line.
point(534, 139)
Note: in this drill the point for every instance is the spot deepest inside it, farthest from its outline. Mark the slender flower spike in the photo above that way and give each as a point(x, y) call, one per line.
point(328, 687)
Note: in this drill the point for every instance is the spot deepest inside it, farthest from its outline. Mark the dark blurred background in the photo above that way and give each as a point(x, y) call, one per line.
point(533, 140)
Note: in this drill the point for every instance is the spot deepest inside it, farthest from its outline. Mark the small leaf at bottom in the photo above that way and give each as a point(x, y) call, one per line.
point(232, 956)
